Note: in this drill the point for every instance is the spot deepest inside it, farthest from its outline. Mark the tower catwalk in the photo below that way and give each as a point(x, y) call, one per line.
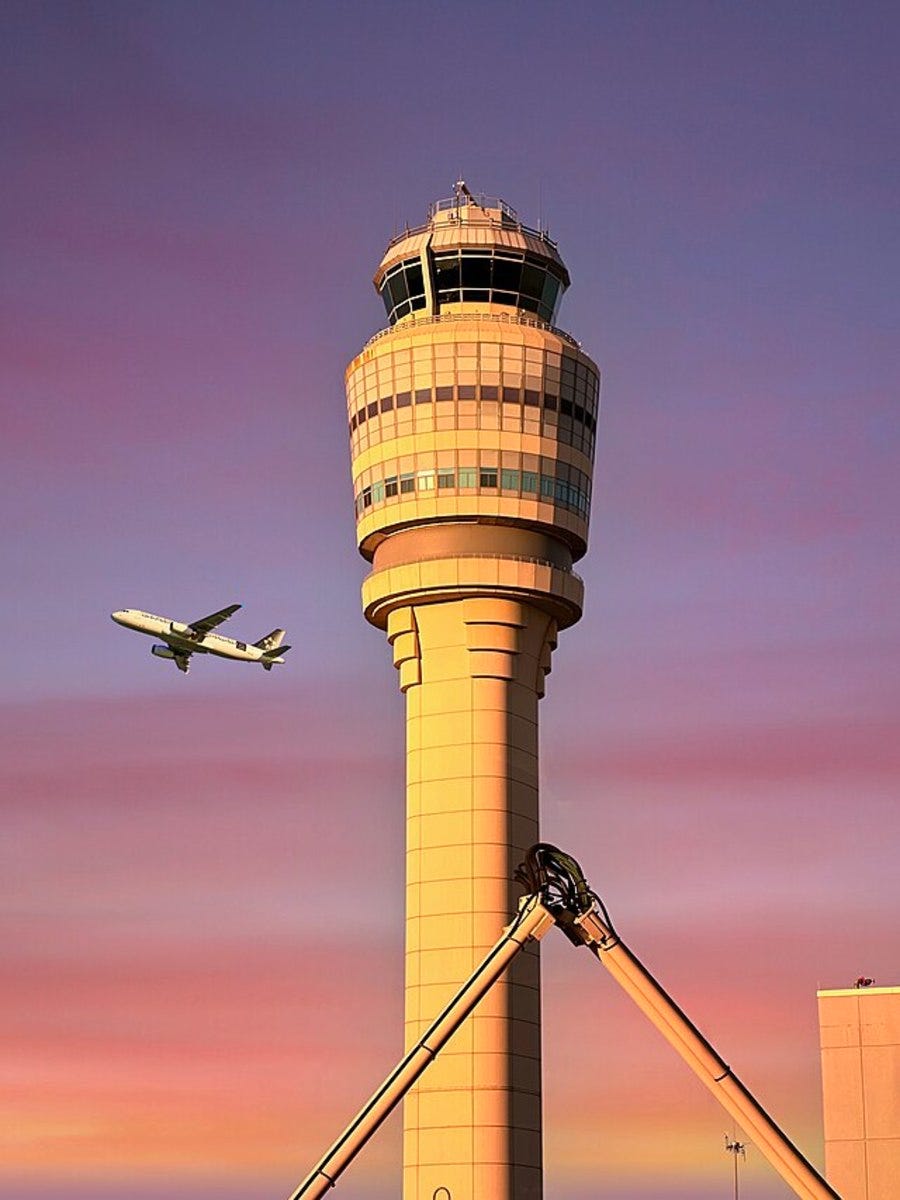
point(472, 423)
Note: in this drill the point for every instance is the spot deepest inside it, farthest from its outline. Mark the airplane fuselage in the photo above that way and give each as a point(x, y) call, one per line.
point(180, 639)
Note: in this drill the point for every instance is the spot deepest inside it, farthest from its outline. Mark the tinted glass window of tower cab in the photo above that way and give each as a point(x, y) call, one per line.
point(403, 289)
point(475, 276)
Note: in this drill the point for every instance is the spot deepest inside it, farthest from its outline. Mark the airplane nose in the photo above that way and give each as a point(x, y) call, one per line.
point(120, 616)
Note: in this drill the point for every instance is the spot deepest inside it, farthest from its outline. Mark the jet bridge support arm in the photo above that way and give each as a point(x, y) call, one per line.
point(581, 915)
point(799, 1174)
point(531, 924)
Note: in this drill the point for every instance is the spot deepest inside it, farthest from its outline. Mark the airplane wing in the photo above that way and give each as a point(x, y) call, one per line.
point(183, 662)
point(202, 627)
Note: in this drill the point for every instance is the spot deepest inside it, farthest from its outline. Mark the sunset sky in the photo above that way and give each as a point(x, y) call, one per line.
point(201, 922)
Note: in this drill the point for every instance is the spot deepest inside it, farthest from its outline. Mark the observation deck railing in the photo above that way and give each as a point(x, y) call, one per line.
point(501, 318)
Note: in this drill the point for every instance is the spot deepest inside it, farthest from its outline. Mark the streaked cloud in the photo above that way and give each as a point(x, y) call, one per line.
point(203, 905)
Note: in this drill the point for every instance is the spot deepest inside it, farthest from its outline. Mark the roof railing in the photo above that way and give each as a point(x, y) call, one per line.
point(470, 201)
point(485, 217)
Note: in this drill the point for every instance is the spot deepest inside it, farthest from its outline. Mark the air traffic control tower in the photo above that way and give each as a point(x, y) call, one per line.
point(472, 424)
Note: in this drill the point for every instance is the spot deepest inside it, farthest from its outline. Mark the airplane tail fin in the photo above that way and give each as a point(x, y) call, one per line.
point(273, 656)
point(271, 641)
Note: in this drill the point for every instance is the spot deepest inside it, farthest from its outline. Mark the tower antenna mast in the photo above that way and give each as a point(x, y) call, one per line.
point(736, 1148)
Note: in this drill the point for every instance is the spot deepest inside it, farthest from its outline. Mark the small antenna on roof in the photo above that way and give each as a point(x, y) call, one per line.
point(461, 188)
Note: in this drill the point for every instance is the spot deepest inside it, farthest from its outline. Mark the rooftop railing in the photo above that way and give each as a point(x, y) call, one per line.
point(479, 201)
point(478, 211)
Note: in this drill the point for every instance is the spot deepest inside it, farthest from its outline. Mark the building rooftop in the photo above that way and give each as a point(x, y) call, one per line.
point(857, 991)
point(472, 211)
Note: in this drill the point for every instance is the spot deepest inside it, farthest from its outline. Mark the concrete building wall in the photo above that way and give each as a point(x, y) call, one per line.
point(473, 1124)
point(859, 1031)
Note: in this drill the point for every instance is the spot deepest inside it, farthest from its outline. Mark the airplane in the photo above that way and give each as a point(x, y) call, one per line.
point(181, 641)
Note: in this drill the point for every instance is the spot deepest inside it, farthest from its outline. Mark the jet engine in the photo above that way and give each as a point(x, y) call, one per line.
point(162, 651)
point(180, 628)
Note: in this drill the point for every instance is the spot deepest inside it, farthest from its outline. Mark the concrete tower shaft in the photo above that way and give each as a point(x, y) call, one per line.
point(472, 424)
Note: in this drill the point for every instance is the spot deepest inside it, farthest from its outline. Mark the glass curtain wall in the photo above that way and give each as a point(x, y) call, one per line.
point(475, 276)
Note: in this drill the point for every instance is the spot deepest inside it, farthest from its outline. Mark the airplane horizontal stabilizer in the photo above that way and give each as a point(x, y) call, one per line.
point(273, 656)
point(275, 651)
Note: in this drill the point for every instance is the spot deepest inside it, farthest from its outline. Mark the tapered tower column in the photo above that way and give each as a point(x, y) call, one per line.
point(472, 804)
point(472, 423)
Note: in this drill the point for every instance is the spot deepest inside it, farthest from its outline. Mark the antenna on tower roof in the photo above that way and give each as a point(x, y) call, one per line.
point(461, 188)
